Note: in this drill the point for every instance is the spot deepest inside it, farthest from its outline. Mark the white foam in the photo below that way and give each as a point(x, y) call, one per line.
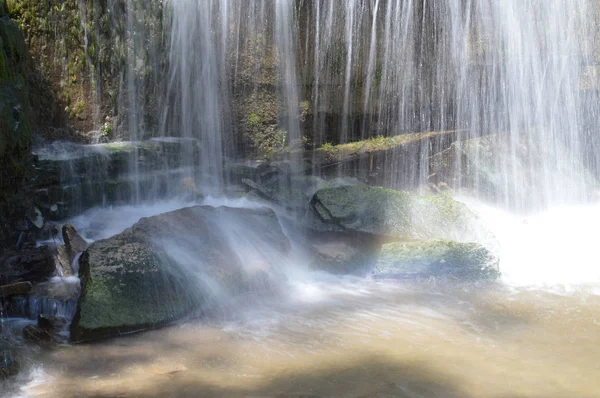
point(556, 248)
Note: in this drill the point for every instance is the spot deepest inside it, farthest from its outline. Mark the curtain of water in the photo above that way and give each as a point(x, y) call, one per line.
point(513, 68)
point(196, 99)
point(522, 70)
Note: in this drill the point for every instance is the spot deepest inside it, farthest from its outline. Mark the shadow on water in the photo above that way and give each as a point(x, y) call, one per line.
point(366, 377)
point(390, 379)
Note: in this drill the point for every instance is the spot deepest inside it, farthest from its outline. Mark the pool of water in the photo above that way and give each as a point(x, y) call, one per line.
point(350, 338)
point(534, 334)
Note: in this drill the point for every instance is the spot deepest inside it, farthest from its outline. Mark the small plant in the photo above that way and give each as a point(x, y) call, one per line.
point(305, 110)
point(327, 147)
point(254, 122)
point(106, 129)
point(79, 106)
point(269, 142)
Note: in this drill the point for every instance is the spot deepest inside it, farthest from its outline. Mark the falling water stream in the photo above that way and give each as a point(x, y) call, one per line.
point(517, 69)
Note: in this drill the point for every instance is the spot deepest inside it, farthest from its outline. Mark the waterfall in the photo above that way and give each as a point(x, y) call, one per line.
point(196, 89)
point(511, 85)
point(518, 69)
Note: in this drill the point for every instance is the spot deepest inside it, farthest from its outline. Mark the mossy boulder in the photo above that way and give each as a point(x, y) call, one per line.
point(398, 215)
point(171, 265)
point(437, 258)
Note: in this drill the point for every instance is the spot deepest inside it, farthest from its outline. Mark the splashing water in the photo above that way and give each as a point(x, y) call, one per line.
point(555, 247)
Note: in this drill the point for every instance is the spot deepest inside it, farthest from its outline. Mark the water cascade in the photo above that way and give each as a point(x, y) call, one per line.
point(376, 196)
point(279, 74)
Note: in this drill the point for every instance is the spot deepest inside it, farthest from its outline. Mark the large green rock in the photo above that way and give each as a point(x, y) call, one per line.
point(170, 265)
point(398, 215)
point(438, 258)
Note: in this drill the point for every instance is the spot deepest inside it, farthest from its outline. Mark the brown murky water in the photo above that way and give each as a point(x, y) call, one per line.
point(352, 339)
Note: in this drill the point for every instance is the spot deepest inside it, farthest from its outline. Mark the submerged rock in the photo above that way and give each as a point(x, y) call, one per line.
point(438, 258)
point(396, 214)
point(167, 266)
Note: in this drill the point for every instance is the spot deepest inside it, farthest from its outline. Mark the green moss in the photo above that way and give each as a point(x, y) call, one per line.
point(396, 214)
point(375, 144)
point(143, 295)
point(442, 258)
point(305, 110)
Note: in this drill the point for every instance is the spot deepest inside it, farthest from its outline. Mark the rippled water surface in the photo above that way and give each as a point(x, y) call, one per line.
point(352, 339)
point(534, 334)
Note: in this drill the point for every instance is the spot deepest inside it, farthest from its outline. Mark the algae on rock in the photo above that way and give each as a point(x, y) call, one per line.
point(438, 258)
point(167, 266)
point(396, 214)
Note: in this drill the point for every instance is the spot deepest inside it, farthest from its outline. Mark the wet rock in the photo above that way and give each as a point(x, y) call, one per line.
point(341, 258)
point(14, 289)
point(236, 172)
point(276, 193)
point(34, 265)
point(15, 126)
point(37, 335)
point(396, 214)
point(167, 266)
point(73, 242)
point(62, 261)
point(51, 323)
point(64, 255)
point(8, 364)
point(437, 258)
point(34, 215)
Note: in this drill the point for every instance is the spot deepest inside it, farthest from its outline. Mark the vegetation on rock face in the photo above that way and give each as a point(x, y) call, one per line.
point(82, 49)
point(375, 144)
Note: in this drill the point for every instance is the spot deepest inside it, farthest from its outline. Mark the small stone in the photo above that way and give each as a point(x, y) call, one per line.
point(34, 215)
point(62, 261)
point(74, 243)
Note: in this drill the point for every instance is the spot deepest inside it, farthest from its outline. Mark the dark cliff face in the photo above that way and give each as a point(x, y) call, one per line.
point(15, 126)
